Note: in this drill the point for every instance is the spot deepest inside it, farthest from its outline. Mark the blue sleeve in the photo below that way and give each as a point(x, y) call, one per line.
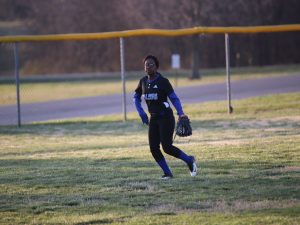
point(176, 102)
point(138, 105)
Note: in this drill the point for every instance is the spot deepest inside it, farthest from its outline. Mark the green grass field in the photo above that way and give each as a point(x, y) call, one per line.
point(100, 171)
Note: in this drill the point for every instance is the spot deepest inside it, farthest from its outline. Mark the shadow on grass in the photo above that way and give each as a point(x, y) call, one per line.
point(115, 127)
point(107, 127)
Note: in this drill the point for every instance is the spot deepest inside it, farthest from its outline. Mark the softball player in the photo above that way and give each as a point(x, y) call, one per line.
point(156, 90)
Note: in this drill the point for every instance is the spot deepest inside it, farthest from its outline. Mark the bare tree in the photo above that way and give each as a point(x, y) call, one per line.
point(61, 16)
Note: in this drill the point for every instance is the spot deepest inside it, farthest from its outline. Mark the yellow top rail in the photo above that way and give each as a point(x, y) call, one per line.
point(150, 32)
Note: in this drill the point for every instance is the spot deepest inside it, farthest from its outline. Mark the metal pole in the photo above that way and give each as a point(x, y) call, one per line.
point(16, 54)
point(176, 77)
point(230, 109)
point(123, 78)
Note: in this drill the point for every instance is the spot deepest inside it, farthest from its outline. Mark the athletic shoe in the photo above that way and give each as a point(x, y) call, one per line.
point(193, 167)
point(167, 177)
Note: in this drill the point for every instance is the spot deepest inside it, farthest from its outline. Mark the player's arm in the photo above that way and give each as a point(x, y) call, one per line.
point(174, 99)
point(177, 104)
point(138, 104)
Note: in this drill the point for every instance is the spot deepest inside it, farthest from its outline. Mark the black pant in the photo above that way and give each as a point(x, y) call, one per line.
point(161, 130)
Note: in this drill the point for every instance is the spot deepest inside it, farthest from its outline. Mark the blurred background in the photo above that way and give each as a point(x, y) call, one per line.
point(24, 17)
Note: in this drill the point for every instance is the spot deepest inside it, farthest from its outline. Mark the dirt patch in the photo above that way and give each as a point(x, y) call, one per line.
point(228, 142)
point(240, 205)
point(286, 169)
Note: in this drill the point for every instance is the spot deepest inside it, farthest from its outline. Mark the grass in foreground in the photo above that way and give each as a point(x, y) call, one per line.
point(99, 171)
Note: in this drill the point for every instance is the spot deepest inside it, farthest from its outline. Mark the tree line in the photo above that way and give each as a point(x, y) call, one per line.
point(197, 51)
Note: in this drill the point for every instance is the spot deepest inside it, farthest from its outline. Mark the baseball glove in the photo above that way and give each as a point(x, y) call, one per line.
point(183, 127)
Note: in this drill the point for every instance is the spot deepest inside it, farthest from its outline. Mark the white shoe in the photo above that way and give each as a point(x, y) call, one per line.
point(166, 177)
point(193, 167)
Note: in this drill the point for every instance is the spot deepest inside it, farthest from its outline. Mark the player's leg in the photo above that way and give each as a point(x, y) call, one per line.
point(154, 142)
point(166, 128)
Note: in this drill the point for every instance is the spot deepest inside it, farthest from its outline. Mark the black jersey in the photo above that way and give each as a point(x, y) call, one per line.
point(155, 93)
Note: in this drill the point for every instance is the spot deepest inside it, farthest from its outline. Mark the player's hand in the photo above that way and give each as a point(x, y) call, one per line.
point(144, 118)
point(182, 116)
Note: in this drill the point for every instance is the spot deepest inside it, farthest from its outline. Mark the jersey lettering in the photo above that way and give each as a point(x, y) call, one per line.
point(151, 96)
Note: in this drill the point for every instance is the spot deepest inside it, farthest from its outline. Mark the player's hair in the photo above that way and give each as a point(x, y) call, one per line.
point(154, 59)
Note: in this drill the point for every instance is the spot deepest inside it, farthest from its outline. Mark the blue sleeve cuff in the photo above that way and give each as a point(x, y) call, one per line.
point(176, 102)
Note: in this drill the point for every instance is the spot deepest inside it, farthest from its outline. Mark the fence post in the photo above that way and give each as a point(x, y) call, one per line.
point(123, 78)
point(227, 53)
point(16, 56)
